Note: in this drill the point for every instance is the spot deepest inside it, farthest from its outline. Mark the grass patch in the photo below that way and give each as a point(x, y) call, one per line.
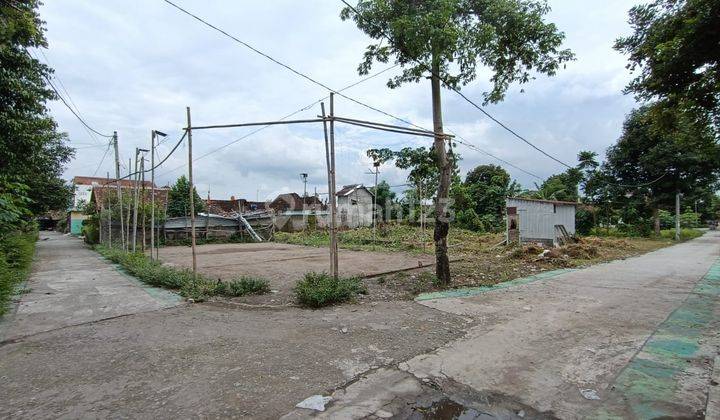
point(243, 286)
point(16, 252)
point(197, 288)
point(685, 234)
point(321, 289)
point(388, 237)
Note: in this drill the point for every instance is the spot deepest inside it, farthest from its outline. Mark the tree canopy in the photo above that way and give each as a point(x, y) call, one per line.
point(675, 47)
point(507, 36)
point(179, 199)
point(32, 151)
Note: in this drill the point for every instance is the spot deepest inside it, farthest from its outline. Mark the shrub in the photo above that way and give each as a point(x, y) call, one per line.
point(243, 286)
point(320, 289)
point(16, 252)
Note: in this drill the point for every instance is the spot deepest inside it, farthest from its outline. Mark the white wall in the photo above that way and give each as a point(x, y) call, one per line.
point(538, 219)
point(355, 209)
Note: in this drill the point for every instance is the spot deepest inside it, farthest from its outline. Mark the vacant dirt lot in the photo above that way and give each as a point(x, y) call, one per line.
point(283, 264)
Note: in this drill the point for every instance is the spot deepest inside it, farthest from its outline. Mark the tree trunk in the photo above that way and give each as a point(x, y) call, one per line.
point(656, 221)
point(442, 222)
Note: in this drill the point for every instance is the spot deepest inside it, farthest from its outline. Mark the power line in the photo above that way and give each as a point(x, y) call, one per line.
point(510, 130)
point(103, 158)
point(304, 76)
point(67, 93)
point(73, 111)
point(62, 99)
point(304, 108)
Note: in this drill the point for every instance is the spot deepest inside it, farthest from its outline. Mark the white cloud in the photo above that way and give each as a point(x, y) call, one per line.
point(133, 66)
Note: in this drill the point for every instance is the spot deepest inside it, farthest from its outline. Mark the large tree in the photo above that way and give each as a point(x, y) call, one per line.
point(664, 150)
point(676, 47)
point(447, 40)
point(32, 150)
point(179, 199)
point(488, 186)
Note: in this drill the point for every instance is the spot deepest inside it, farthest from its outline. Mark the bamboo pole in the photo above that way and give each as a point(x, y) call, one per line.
point(192, 193)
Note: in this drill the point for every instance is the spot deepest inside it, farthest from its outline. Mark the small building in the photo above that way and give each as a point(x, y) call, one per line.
point(233, 206)
point(354, 206)
point(294, 202)
point(542, 221)
point(82, 188)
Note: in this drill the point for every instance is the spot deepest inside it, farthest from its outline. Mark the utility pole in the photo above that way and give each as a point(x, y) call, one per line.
point(129, 209)
point(677, 215)
point(119, 188)
point(376, 165)
point(153, 135)
point(137, 191)
point(192, 191)
point(109, 202)
point(142, 200)
point(330, 161)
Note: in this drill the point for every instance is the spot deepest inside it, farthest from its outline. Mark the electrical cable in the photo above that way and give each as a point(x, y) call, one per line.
point(338, 92)
point(501, 124)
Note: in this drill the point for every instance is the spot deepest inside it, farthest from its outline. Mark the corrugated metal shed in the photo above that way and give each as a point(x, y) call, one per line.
point(538, 220)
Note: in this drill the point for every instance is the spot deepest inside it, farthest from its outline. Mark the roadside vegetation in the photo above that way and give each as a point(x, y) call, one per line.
point(320, 289)
point(16, 253)
point(198, 288)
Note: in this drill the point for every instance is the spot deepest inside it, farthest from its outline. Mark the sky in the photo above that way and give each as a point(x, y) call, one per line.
point(132, 66)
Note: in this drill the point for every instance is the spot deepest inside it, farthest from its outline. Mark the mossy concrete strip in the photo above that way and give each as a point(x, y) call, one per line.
point(648, 387)
point(472, 291)
point(167, 297)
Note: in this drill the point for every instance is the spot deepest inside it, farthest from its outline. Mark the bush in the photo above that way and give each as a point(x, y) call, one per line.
point(16, 252)
point(198, 288)
point(320, 289)
point(243, 286)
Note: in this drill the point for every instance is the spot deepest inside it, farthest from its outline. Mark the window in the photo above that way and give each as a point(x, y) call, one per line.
point(554, 208)
point(353, 202)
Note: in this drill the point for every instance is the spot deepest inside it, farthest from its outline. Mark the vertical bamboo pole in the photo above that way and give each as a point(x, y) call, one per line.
point(129, 209)
point(109, 210)
point(135, 201)
point(192, 193)
point(331, 206)
point(142, 201)
point(333, 198)
point(119, 188)
point(152, 193)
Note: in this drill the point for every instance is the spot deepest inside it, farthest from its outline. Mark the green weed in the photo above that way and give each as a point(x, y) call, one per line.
point(243, 286)
point(320, 289)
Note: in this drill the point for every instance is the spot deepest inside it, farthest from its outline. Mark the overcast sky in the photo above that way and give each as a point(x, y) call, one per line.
point(134, 65)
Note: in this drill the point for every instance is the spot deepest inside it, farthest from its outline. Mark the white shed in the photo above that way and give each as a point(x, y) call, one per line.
point(355, 206)
point(545, 221)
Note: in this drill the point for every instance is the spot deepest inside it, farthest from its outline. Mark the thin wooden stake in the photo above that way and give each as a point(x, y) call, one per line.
point(330, 194)
point(192, 193)
point(333, 199)
point(119, 188)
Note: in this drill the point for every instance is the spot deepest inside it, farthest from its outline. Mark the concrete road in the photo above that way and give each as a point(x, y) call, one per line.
point(71, 284)
point(628, 339)
point(98, 345)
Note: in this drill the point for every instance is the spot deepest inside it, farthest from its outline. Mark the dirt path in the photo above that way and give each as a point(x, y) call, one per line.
point(101, 346)
point(637, 337)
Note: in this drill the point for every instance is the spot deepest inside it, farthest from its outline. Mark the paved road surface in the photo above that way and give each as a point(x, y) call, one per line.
point(70, 285)
point(640, 335)
point(90, 342)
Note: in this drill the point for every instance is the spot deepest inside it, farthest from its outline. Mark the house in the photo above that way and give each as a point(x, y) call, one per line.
point(294, 202)
point(354, 206)
point(233, 206)
point(82, 189)
point(542, 221)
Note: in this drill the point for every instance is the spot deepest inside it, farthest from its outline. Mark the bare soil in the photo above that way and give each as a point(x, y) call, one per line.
point(283, 265)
